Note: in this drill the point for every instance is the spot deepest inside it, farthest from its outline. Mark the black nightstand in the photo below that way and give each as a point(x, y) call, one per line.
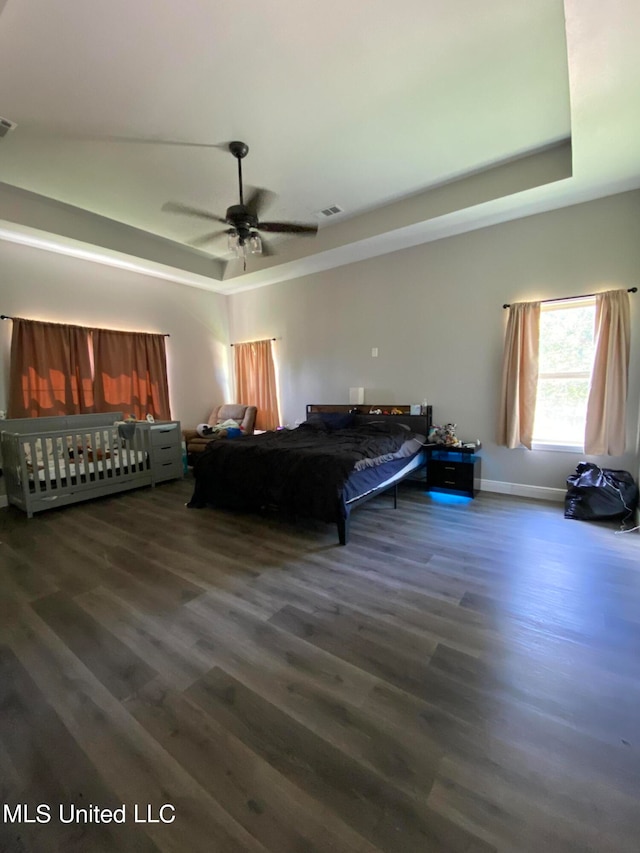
point(453, 469)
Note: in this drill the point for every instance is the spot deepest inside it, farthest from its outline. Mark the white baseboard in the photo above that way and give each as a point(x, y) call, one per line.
point(543, 493)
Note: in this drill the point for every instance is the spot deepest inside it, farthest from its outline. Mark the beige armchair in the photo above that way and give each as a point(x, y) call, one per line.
point(244, 415)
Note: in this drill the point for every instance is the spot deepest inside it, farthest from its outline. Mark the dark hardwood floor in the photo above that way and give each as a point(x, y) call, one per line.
point(460, 677)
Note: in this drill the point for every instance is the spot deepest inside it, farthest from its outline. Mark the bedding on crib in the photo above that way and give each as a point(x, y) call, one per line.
point(86, 455)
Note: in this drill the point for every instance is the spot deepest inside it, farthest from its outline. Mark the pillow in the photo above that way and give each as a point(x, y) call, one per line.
point(314, 422)
point(333, 420)
point(388, 427)
point(204, 430)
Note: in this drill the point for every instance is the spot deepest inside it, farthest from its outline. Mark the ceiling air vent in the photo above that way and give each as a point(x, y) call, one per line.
point(6, 126)
point(331, 211)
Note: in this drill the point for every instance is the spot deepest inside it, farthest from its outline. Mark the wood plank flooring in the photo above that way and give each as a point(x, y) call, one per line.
point(460, 677)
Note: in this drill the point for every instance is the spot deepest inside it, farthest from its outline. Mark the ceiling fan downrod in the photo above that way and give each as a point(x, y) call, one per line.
point(239, 151)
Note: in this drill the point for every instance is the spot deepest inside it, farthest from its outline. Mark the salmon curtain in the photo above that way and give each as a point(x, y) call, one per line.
point(519, 375)
point(50, 371)
point(256, 381)
point(605, 430)
point(131, 373)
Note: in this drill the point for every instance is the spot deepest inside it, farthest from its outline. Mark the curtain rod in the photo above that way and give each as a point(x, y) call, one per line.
point(91, 328)
point(254, 342)
point(568, 298)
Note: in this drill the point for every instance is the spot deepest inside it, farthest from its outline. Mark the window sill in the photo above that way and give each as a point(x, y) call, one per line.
point(563, 448)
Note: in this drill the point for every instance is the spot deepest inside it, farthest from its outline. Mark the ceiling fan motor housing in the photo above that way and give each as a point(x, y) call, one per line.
point(241, 219)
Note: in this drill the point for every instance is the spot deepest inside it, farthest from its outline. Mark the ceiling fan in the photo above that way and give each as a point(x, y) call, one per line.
point(243, 218)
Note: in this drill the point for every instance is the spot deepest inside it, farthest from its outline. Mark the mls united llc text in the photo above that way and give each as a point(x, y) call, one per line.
point(70, 813)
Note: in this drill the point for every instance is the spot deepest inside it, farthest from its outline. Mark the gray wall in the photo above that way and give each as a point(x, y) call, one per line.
point(42, 285)
point(435, 314)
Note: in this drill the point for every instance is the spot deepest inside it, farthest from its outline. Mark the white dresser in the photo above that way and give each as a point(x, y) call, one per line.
point(166, 451)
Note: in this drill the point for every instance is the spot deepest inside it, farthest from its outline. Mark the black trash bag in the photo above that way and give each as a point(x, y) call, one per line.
point(598, 493)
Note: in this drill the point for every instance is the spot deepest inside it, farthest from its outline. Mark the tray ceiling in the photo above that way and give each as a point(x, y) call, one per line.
point(411, 123)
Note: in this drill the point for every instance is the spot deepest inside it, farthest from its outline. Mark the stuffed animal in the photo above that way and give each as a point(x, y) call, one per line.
point(445, 435)
point(450, 438)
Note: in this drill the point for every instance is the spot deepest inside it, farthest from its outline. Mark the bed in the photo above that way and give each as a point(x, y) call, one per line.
point(334, 461)
point(55, 461)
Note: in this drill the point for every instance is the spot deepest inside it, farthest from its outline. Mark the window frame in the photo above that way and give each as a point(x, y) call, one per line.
point(559, 305)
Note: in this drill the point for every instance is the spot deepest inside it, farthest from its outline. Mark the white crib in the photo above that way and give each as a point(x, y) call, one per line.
point(55, 461)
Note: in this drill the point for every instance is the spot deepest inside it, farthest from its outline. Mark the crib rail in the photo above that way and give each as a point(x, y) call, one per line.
point(61, 466)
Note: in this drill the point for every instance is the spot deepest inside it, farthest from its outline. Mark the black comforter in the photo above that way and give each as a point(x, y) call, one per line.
point(300, 471)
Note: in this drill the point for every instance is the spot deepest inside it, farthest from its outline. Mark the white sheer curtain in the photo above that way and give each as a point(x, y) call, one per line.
point(605, 430)
point(519, 375)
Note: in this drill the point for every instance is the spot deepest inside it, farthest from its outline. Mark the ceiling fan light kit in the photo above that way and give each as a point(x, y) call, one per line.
point(241, 247)
point(244, 218)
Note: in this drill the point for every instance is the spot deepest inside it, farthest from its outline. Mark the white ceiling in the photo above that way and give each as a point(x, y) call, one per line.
point(380, 108)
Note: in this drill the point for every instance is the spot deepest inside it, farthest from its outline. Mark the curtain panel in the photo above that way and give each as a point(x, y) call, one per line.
point(50, 372)
point(256, 381)
point(605, 429)
point(130, 371)
point(519, 375)
point(58, 369)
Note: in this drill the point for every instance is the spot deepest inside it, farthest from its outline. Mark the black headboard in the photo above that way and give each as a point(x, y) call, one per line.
point(364, 413)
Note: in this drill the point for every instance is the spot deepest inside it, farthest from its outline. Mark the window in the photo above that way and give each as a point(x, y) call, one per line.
point(565, 362)
point(256, 381)
point(574, 368)
point(61, 369)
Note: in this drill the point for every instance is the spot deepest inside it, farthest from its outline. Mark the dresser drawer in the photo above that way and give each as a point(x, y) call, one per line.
point(166, 434)
point(168, 469)
point(167, 462)
point(454, 474)
point(166, 451)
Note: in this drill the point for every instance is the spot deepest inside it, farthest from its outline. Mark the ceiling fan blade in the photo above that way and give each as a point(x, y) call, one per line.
point(206, 238)
point(36, 130)
point(288, 228)
point(133, 140)
point(258, 200)
point(177, 207)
